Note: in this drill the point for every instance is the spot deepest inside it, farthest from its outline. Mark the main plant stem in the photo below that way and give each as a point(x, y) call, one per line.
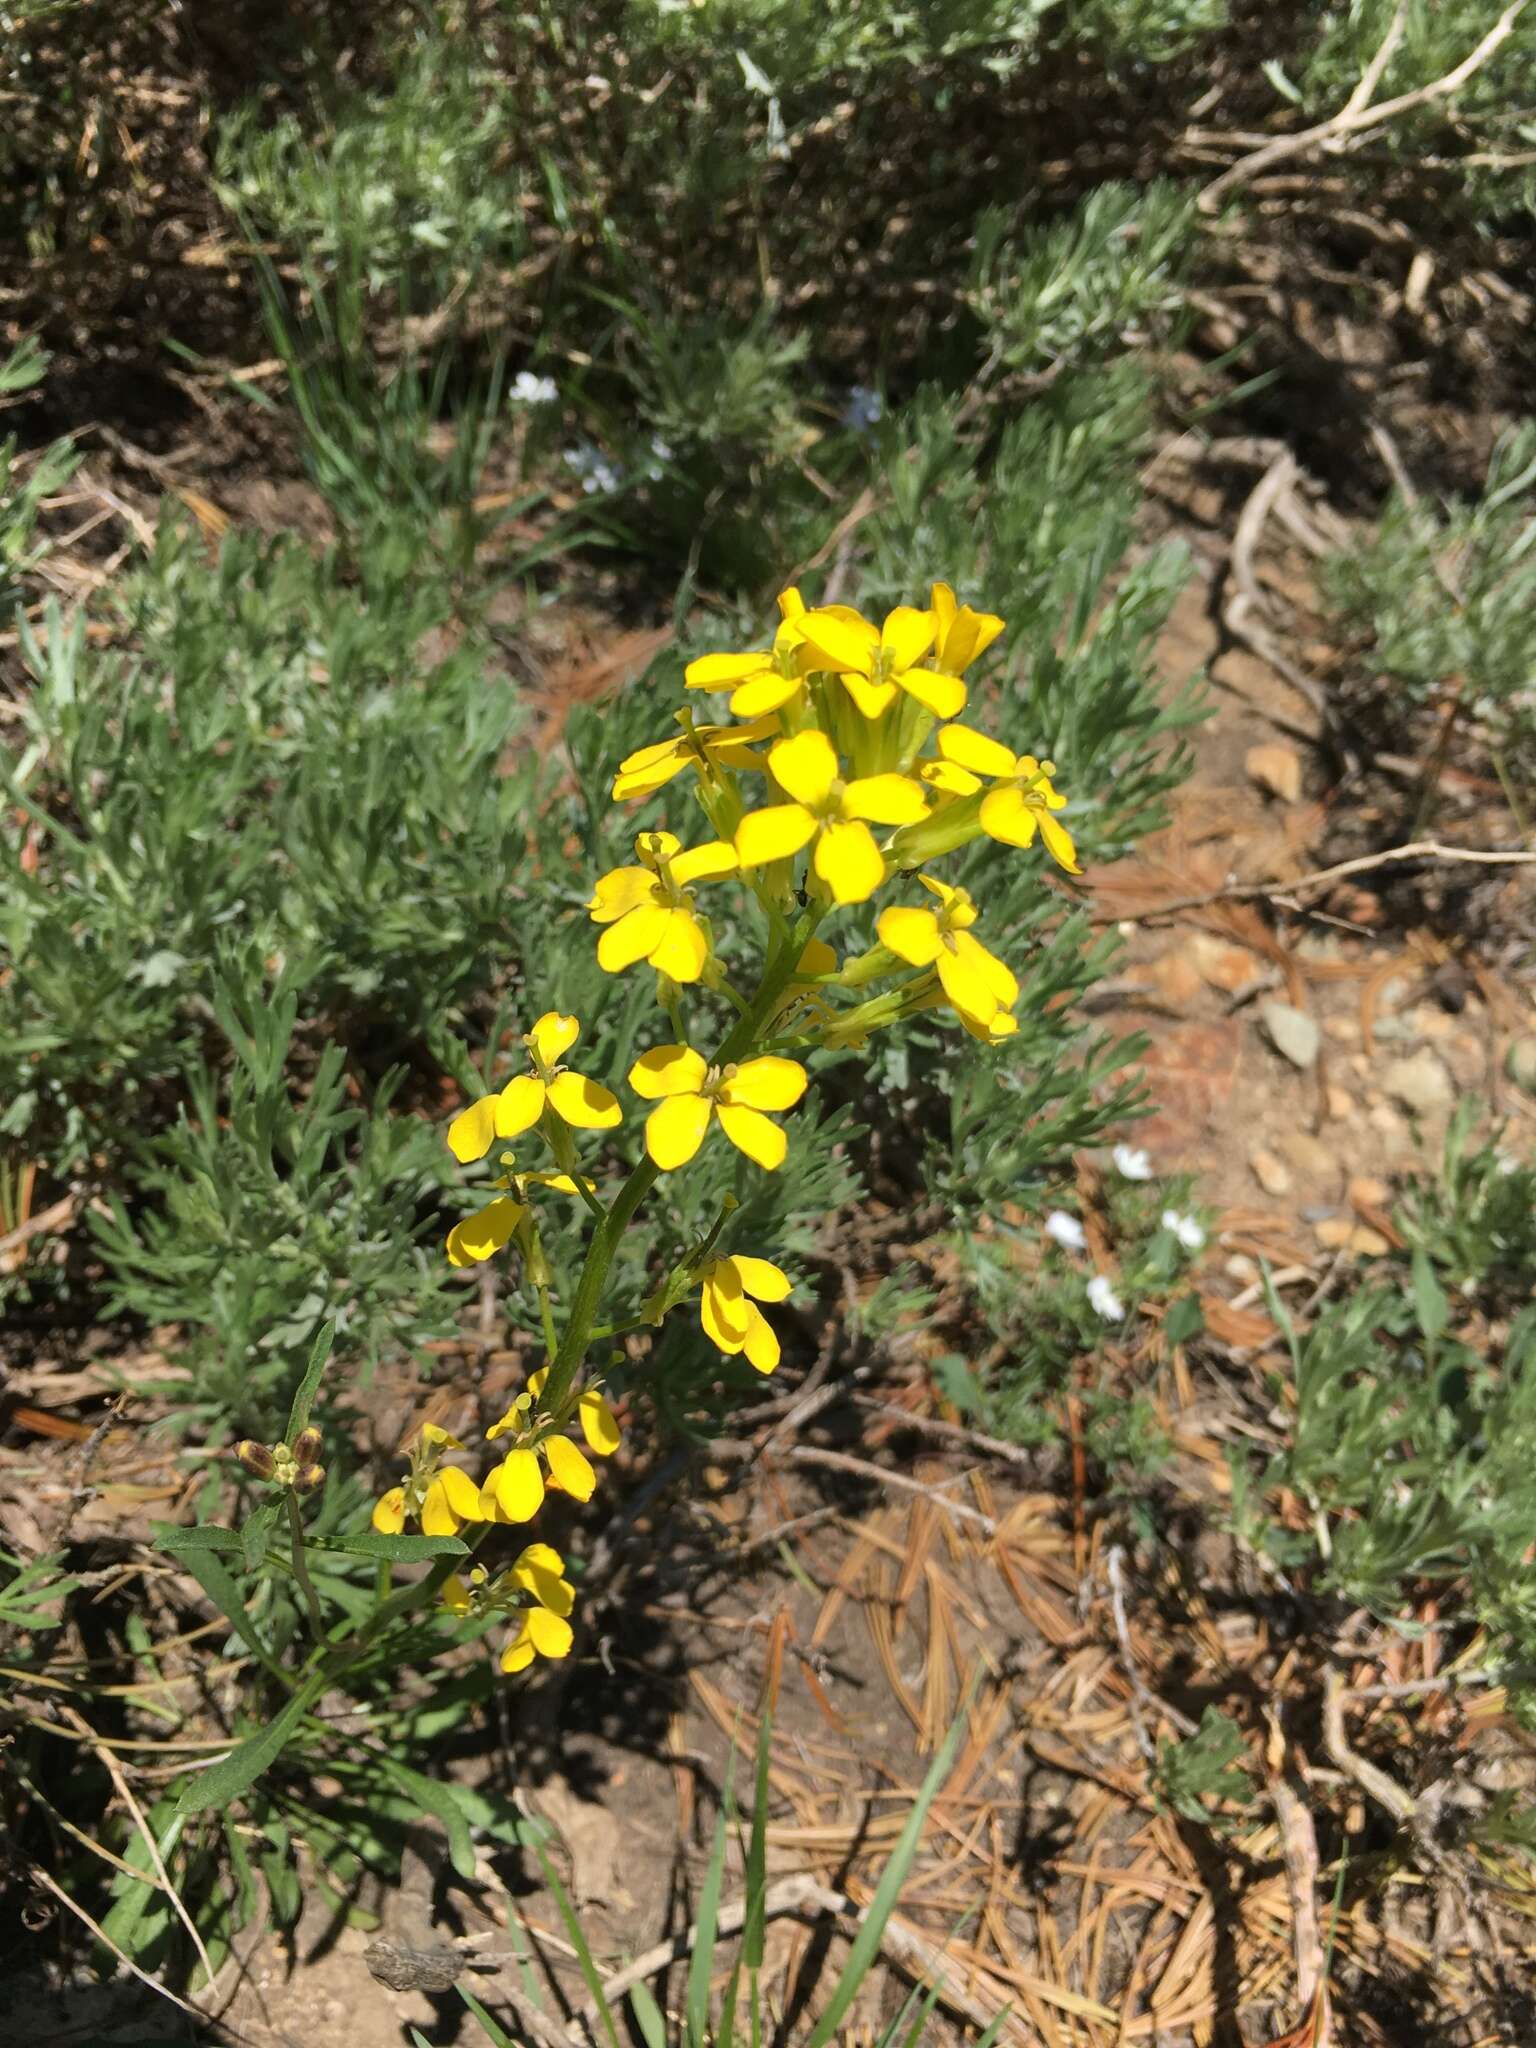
point(739, 1040)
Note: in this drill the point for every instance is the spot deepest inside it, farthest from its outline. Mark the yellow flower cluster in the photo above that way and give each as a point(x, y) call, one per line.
point(846, 770)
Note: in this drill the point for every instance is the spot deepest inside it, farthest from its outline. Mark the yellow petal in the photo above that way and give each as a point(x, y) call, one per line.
point(538, 1557)
point(633, 938)
point(599, 1424)
point(681, 950)
point(773, 834)
point(722, 671)
point(762, 1346)
point(668, 1070)
point(482, 1235)
point(804, 767)
point(968, 634)
point(816, 958)
point(473, 1131)
point(455, 1594)
point(906, 637)
point(723, 1306)
point(437, 1517)
point(553, 1036)
point(619, 892)
point(942, 604)
point(519, 1105)
point(912, 935)
point(536, 1381)
point(705, 863)
point(389, 1512)
point(791, 603)
point(886, 799)
point(519, 1485)
point(970, 992)
point(550, 1634)
point(849, 862)
point(977, 751)
point(765, 693)
point(649, 770)
point(944, 696)
point(588, 1105)
point(1006, 815)
point(754, 1134)
point(518, 1654)
point(761, 1278)
point(569, 1468)
point(873, 699)
point(675, 1129)
point(769, 1082)
point(1058, 843)
point(841, 639)
point(461, 1494)
point(998, 976)
point(947, 779)
point(652, 848)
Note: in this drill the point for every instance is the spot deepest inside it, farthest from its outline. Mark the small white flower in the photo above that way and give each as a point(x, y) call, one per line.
point(1185, 1228)
point(1066, 1231)
point(1104, 1301)
point(1131, 1164)
point(597, 473)
point(527, 389)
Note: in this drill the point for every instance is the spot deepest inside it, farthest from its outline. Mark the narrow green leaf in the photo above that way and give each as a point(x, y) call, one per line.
point(233, 1774)
point(170, 1536)
point(701, 1966)
point(993, 2032)
point(648, 2016)
point(866, 1943)
point(255, 1533)
point(309, 1386)
point(398, 1549)
point(438, 1800)
point(754, 1926)
point(579, 1942)
point(1434, 1311)
point(211, 1573)
point(488, 2026)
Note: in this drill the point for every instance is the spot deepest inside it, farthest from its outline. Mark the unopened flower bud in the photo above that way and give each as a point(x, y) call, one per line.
point(307, 1447)
point(308, 1478)
point(256, 1458)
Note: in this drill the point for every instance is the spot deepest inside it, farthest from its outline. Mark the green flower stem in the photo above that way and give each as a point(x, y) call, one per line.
point(738, 1042)
point(301, 1569)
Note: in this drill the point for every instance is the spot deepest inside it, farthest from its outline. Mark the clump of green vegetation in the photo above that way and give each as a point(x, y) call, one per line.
point(1412, 1445)
point(1448, 595)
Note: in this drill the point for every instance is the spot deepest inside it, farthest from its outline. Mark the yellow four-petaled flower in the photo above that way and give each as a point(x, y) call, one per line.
point(835, 814)
point(690, 1094)
point(649, 909)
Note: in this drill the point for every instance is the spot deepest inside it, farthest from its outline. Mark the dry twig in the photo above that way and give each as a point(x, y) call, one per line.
point(1418, 849)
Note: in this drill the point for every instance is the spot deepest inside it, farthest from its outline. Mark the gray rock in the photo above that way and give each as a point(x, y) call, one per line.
point(1291, 1032)
point(1420, 1083)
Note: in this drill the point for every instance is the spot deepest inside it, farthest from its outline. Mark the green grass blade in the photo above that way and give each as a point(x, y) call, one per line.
point(309, 1386)
point(648, 2016)
point(488, 2026)
point(702, 1962)
point(578, 1940)
point(226, 1780)
point(866, 1943)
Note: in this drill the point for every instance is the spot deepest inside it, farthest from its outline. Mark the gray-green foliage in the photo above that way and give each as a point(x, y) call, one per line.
point(1449, 597)
point(1484, 130)
point(412, 188)
point(23, 488)
point(1413, 1441)
point(1204, 1772)
point(277, 1202)
point(1072, 290)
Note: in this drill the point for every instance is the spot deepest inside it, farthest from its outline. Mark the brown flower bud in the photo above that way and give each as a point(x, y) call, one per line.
point(307, 1447)
point(256, 1458)
point(308, 1478)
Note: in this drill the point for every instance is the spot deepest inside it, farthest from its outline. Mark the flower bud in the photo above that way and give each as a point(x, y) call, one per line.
point(308, 1477)
point(256, 1458)
point(307, 1447)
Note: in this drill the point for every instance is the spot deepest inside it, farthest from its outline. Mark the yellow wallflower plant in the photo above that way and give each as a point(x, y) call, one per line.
point(845, 777)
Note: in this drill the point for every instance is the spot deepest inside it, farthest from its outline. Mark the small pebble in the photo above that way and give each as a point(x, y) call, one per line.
point(1334, 1232)
point(1269, 1173)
